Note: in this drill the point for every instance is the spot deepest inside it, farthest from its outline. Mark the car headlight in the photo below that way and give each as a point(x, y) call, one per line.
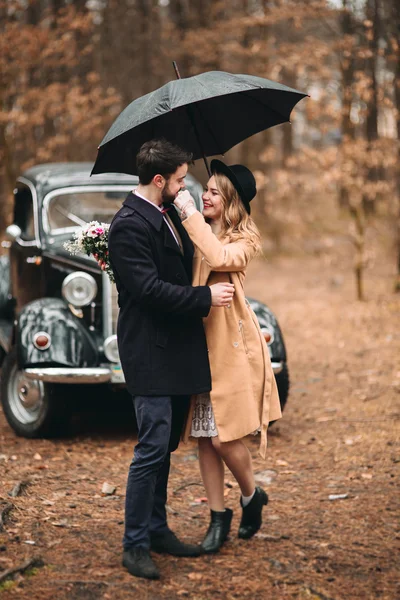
point(79, 288)
point(110, 347)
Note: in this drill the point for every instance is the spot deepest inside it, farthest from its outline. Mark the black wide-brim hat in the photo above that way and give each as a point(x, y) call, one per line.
point(241, 178)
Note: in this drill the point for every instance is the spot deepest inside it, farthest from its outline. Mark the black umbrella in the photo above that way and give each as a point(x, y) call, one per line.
point(206, 114)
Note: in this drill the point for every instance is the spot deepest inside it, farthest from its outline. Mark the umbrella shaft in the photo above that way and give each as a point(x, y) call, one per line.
point(178, 75)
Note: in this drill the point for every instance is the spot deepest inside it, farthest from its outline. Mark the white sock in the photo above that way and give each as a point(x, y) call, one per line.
point(247, 499)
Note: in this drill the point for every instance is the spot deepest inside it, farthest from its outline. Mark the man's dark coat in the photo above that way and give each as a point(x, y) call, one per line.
point(160, 331)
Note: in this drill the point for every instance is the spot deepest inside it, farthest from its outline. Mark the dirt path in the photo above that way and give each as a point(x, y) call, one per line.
point(339, 436)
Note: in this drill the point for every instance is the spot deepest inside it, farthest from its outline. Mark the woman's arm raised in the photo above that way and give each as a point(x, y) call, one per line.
point(233, 256)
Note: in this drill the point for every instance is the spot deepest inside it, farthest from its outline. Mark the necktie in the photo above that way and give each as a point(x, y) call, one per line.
point(178, 237)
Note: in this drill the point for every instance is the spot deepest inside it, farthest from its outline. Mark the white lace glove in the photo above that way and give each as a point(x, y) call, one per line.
point(186, 204)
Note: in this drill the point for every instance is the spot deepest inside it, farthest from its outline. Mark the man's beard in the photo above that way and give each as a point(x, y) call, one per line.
point(166, 196)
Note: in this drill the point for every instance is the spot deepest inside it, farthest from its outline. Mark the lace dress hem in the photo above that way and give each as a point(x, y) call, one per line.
point(203, 420)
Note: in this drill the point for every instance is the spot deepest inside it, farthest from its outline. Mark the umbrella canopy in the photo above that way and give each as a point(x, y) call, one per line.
point(206, 114)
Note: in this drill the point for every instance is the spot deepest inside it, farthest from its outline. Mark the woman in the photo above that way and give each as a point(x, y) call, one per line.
point(244, 396)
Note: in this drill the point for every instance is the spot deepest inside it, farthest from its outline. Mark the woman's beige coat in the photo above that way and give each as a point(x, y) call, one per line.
point(244, 394)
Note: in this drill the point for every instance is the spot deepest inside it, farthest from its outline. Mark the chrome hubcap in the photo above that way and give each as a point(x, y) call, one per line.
point(25, 397)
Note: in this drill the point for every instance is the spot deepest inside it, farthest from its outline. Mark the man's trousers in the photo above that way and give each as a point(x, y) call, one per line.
point(160, 420)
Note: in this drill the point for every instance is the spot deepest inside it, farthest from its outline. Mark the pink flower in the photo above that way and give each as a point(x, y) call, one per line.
point(91, 233)
point(94, 231)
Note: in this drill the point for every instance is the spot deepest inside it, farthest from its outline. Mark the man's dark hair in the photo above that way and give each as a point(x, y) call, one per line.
point(160, 157)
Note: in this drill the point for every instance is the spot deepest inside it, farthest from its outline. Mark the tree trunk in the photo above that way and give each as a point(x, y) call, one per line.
point(355, 205)
point(10, 177)
point(396, 15)
point(288, 78)
point(347, 68)
point(372, 14)
point(357, 212)
point(179, 12)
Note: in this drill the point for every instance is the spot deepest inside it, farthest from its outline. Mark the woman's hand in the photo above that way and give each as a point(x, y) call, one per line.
point(185, 203)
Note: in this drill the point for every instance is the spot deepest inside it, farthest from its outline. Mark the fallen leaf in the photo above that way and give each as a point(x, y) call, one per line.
point(268, 537)
point(338, 496)
point(63, 523)
point(100, 573)
point(195, 576)
point(265, 477)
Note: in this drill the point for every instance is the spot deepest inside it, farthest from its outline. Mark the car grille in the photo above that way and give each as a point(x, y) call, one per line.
point(110, 307)
point(114, 307)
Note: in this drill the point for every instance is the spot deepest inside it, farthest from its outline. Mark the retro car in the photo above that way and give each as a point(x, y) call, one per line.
point(58, 312)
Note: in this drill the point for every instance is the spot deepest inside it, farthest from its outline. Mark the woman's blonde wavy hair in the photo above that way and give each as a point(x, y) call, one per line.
point(236, 221)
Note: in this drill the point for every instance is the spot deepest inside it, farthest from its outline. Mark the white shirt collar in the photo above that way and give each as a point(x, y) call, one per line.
point(146, 200)
point(160, 209)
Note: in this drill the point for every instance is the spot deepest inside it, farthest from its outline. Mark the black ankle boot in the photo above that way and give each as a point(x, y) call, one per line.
point(218, 530)
point(251, 515)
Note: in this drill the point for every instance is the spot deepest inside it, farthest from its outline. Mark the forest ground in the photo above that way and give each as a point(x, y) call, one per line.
point(339, 436)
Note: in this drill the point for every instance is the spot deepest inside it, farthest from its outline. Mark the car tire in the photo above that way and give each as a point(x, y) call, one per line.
point(2, 356)
point(283, 383)
point(32, 408)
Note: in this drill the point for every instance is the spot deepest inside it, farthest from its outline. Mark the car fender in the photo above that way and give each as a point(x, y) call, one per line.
point(266, 318)
point(72, 345)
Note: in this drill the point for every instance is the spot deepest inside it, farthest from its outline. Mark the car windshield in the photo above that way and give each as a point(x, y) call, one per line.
point(74, 209)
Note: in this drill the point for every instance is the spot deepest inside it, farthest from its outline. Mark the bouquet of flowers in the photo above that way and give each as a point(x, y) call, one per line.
point(93, 239)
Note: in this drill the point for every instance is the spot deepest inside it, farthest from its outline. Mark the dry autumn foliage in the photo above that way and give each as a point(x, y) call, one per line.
point(67, 68)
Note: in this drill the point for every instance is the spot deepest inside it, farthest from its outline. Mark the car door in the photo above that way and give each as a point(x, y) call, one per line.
point(25, 251)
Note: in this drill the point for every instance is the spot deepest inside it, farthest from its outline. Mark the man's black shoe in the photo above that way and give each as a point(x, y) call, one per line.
point(139, 563)
point(251, 514)
point(168, 543)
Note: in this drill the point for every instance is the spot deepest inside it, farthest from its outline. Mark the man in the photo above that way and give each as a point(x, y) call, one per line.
point(161, 342)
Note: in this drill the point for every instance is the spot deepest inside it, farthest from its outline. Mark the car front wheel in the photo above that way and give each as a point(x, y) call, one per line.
point(32, 408)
